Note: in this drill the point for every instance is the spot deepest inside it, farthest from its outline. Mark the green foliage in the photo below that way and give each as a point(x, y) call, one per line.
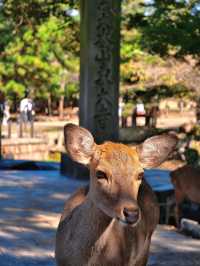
point(154, 32)
point(127, 109)
point(34, 12)
point(132, 73)
point(164, 27)
point(173, 28)
point(72, 89)
point(157, 93)
point(39, 47)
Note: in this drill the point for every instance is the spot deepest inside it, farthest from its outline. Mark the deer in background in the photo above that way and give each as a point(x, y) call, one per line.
point(110, 223)
point(186, 182)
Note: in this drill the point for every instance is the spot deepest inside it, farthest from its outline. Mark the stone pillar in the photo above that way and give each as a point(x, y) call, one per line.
point(100, 45)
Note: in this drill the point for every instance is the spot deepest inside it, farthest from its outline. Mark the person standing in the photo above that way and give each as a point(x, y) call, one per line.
point(26, 110)
point(30, 110)
point(120, 111)
point(23, 108)
point(26, 113)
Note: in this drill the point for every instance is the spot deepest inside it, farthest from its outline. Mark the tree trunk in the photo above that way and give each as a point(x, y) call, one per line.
point(49, 105)
point(61, 106)
point(62, 97)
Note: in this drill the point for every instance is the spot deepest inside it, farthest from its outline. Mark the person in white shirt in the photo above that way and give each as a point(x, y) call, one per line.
point(120, 110)
point(140, 110)
point(23, 108)
point(26, 110)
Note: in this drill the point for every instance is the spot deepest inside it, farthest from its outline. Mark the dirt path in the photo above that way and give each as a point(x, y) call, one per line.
point(31, 203)
point(170, 248)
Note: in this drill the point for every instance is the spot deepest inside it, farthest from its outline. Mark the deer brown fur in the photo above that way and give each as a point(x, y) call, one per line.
point(112, 222)
point(186, 181)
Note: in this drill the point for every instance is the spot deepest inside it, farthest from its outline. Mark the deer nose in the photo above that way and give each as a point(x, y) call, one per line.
point(131, 215)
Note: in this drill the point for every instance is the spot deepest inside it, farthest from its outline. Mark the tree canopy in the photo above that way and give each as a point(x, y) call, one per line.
point(160, 47)
point(39, 47)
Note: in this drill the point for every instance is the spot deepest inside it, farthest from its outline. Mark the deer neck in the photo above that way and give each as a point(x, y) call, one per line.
point(111, 239)
point(96, 216)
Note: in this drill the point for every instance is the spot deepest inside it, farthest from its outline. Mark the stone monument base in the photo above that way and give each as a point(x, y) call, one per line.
point(72, 169)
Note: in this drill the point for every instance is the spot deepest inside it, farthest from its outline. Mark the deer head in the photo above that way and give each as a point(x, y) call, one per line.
point(116, 170)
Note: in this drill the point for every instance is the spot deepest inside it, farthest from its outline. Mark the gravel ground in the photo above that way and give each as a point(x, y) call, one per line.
point(31, 203)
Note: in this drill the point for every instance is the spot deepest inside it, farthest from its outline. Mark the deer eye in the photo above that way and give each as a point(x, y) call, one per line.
point(140, 176)
point(101, 175)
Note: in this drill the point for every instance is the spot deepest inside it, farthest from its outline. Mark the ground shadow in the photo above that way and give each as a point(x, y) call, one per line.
point(31, 203)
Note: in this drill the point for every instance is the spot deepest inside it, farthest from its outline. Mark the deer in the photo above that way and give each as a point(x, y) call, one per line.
point(111, 221)
point(186, 182)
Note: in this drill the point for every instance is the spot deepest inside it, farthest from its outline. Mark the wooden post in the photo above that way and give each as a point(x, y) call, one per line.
point(99, 81)
point(9, 129)
point(20, 128)
point(32, 128)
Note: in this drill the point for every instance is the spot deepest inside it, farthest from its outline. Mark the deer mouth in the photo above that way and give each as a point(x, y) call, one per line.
point(124, 222)
point(129, 216)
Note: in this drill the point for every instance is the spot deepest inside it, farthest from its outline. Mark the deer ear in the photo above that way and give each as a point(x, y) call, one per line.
point(155, 150)
point(79, 143)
